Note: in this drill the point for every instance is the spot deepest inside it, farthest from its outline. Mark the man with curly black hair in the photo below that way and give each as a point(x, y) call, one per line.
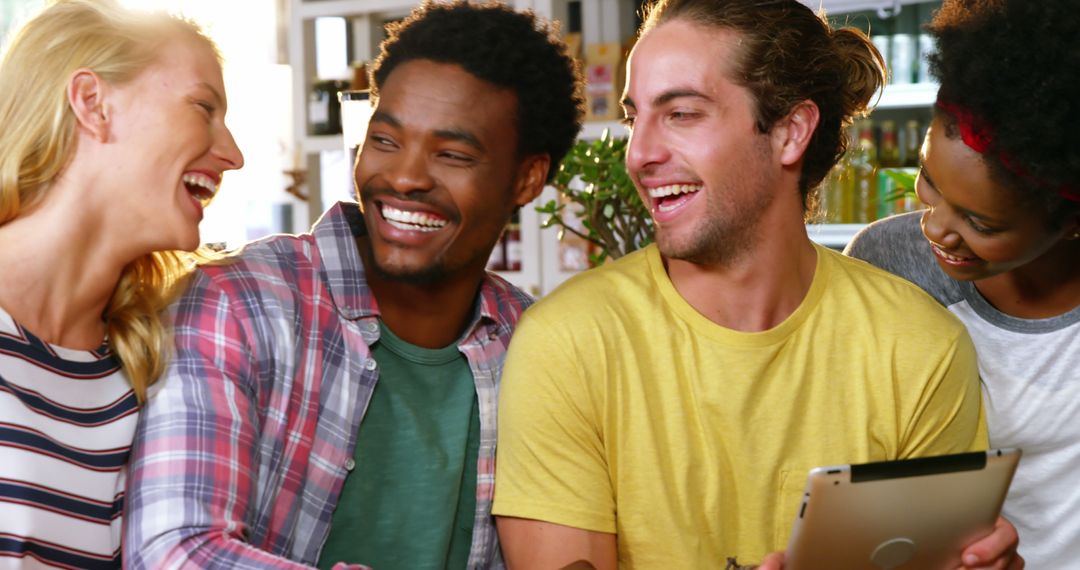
point(333, 394)
point(999, 241)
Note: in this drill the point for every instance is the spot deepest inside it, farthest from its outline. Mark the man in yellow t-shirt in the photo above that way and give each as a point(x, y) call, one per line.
point(625, 410)
point(662, 411)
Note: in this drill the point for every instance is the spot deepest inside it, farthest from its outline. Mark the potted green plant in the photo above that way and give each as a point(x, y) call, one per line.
point(596, 189)
point(904, 179)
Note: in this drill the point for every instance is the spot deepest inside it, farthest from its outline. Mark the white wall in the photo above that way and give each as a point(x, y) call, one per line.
point(259, 93)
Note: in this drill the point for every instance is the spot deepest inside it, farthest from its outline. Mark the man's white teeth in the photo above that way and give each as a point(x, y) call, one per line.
point(673, 189)
point(411, 221)
point(665, 207)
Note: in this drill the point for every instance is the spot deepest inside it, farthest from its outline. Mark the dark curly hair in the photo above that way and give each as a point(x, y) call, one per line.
point(1015, 64)
point(514, 50)
point(788, 55)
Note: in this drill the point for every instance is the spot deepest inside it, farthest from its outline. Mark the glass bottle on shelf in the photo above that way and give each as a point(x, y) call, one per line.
point(863, 172)
point(889, 154)
point(912, 143)
point(888, 158)
point(833, 196)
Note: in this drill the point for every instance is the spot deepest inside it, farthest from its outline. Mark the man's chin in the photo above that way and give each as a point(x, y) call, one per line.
point(424, 275)
point(707, 250)
point(388, 265)
point(680, 249)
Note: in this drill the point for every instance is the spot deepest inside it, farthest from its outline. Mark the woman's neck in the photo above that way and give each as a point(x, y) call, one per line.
point(57, 275)
point(1047, 287)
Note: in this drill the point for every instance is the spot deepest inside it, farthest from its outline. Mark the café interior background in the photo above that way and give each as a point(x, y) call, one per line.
point(251, 36)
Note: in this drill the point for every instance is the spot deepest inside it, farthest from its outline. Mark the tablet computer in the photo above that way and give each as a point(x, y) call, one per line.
point(907, 514)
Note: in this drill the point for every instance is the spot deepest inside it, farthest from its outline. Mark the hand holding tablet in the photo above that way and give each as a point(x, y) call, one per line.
point(899, 515)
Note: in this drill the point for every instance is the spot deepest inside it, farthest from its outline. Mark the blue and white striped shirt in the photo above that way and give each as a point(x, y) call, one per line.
point(67, 418)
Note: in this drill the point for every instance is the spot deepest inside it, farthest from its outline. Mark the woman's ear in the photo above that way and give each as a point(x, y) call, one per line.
point(85, 93)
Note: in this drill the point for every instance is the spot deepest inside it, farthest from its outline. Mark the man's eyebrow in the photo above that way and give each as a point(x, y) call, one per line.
point(668, 96)
point(459, 135)
point(384, 117)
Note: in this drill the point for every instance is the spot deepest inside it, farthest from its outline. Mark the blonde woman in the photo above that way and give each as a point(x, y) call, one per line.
point(113, 140)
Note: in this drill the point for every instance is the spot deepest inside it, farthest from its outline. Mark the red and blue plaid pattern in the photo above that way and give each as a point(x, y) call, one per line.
point(246, 440)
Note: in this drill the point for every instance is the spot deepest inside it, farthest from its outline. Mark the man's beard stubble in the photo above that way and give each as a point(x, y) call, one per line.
point(434, 273)
point(732, 224)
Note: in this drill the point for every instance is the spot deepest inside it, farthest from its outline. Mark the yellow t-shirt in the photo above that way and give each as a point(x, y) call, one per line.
point(624, 410)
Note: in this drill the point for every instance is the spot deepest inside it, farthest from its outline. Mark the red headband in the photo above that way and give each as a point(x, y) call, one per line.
point(978, 136)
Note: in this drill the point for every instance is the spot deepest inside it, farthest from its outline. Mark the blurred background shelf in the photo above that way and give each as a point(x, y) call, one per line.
point(594, 129)
point(321, 143)
point(907, 96)
point(835, 236)
point(885, 7)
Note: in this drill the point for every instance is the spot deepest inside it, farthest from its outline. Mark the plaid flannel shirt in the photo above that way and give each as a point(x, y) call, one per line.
point(245, 442)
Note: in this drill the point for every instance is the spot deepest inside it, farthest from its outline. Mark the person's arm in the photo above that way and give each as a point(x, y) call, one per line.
point(191, 475)
point(553, 497)
point(953, 420)
point(531, 544)
point(942, 408)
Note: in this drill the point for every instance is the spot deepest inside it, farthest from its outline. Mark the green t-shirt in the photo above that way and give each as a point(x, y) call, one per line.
point(411, 499)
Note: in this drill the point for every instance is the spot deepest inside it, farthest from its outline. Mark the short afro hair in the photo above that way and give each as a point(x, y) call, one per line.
point(513, 50)
point(1015, 64)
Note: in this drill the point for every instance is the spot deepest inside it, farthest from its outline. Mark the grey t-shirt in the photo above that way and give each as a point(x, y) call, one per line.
point(1030, 370)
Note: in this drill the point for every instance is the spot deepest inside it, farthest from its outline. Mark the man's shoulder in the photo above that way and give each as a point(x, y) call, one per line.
point(613, 283)
point(273, 257)
point(885, 300)
point(276, 270)
point(508, 300)
point(290, 256)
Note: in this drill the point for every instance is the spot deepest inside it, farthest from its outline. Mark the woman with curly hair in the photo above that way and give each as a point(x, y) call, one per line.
point(113, 140)
point(999, 241)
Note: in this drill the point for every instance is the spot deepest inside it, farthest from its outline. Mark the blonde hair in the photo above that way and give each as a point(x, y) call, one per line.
point(38, 140)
